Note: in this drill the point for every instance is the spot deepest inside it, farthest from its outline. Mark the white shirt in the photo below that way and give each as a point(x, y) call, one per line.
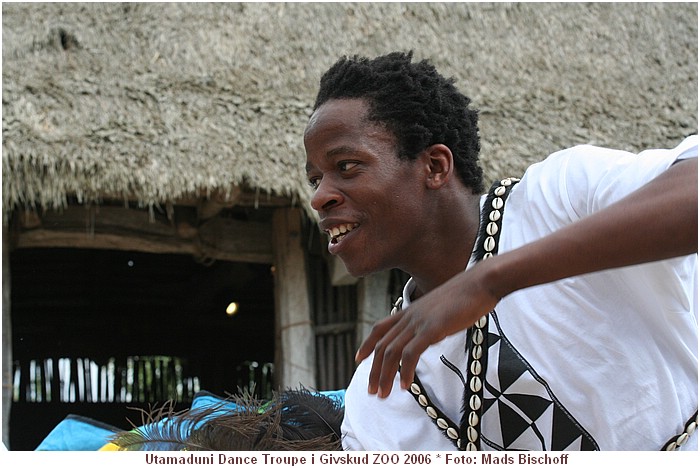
point(604, 361)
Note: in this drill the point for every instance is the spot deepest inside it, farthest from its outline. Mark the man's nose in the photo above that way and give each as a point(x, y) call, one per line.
point(325, 196)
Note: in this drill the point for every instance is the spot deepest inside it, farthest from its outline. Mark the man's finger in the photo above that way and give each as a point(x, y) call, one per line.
point(391, 361)
point(409, 359)
point(379, 330)
point(387, 338)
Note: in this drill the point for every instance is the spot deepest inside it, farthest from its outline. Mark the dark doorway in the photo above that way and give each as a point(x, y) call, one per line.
point(102, 304)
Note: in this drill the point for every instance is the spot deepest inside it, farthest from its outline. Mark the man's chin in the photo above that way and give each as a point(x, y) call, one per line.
point(357, 270)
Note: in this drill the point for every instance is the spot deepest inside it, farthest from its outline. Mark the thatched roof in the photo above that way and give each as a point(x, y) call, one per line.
point(155, 102)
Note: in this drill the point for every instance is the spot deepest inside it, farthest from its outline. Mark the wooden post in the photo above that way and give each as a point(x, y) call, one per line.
point(373, 303)
point(295, 354)
point(6, 339)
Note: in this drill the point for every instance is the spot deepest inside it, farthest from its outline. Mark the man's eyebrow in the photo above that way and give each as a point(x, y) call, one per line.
point(345, 149)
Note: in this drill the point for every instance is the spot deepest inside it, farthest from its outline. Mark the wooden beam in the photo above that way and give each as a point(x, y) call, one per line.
point(6, 339)
point(243, 196)
point(127, 229)
point(295, 353)
point(252, 239)
point(335, 328)
point(210, 207)
point(373, 303)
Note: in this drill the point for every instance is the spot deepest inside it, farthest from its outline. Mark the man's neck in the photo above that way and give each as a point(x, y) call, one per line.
point(457, 237)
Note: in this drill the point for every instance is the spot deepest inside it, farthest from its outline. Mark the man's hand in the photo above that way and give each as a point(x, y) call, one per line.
point(402, 337)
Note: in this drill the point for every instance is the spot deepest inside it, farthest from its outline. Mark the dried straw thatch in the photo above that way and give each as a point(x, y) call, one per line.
point(154, 102)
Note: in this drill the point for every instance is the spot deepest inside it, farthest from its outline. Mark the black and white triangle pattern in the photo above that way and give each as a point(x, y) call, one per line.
point(520, 411)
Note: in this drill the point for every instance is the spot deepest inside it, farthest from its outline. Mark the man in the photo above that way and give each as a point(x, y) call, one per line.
point(555, 313)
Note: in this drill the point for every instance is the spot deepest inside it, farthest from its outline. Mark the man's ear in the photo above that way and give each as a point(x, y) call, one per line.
point(439, 164)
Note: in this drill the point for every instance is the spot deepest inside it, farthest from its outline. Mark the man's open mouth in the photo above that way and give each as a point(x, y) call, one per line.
point(338, 232)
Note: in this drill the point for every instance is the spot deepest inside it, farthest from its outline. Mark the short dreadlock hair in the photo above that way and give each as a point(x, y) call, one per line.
point(413, 101)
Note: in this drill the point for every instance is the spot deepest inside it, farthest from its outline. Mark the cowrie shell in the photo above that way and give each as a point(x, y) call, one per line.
point(475, 384)
point(476, 352)
point(474, 402)
point(491, 229)
point(478, 336)
point(475, 368)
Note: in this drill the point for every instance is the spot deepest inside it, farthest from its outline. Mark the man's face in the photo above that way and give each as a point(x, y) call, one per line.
point(367, 198)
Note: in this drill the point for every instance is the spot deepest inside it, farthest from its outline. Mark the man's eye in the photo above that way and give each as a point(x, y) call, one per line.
point(313, 182)
point(346, 165)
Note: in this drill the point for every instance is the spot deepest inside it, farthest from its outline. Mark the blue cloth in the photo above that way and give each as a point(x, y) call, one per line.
point(337, 395)
point(76, 433)
point(79, 433)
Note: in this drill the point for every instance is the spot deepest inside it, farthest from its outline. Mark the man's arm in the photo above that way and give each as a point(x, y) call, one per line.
point(656, 222)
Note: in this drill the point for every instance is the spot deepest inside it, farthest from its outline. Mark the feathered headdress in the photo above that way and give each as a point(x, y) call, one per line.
point(292, 420)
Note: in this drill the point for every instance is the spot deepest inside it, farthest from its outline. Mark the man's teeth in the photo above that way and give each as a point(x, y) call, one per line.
point(338, 232)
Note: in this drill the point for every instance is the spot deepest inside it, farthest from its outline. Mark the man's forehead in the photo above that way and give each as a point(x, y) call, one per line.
point(312, 120)
point(338, 113)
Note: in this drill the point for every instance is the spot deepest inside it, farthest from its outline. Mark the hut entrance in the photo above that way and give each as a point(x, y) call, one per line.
point(96, 332)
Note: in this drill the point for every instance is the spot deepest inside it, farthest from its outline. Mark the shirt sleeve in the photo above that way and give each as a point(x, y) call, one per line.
point(585, 179)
